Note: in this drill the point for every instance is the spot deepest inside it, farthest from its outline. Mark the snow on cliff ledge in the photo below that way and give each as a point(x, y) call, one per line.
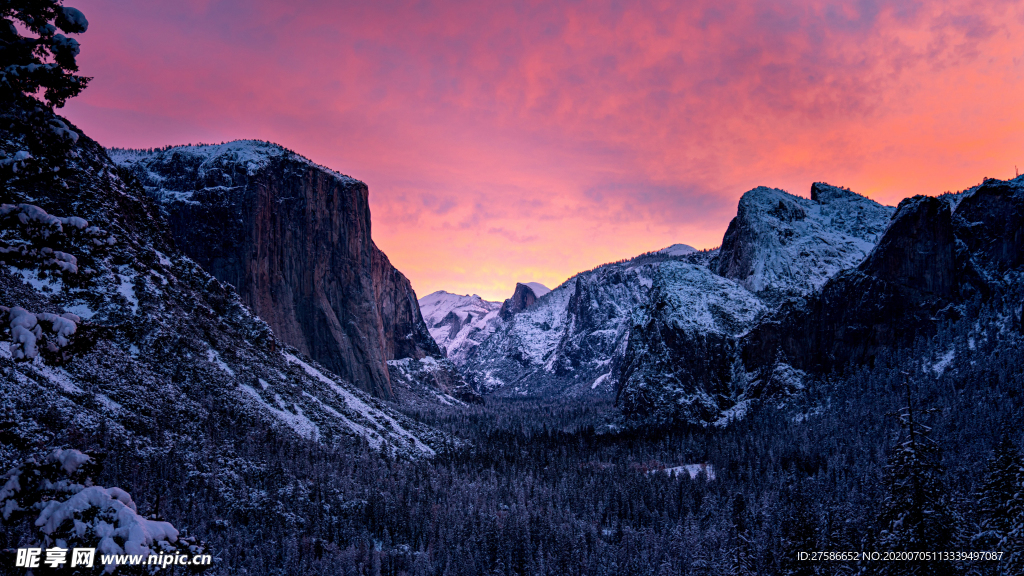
point(253, 154)
point(781, 244)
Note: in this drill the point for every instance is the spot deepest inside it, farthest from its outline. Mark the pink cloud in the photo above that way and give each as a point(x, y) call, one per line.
point(527, 141)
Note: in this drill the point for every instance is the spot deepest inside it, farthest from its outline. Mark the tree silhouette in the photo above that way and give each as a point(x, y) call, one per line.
point(915, 514)
point(42, 61)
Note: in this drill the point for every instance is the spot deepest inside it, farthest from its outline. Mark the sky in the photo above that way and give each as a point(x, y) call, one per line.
point(527, 141)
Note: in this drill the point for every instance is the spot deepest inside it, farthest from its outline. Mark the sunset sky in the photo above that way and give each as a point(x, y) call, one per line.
point(527, 141)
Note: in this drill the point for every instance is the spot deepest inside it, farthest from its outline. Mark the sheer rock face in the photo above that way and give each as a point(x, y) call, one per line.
point(294, 239)
point(405, 334)
point(919, 250)
point(990, 221)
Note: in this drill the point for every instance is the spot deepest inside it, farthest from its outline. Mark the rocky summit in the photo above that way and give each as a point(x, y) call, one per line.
point(781, 245)
point(523, 298)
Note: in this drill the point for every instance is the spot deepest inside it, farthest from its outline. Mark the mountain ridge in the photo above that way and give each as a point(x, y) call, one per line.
point(623, 328)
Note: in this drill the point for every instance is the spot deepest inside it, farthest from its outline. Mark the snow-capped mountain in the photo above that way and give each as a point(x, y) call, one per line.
point(569, 340)
point(459, 323)
point(661, 330)
point(781, 245)
point(678, 250)
point(294, 239)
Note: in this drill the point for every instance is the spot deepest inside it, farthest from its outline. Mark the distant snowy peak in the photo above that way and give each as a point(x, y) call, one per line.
point(677, 250)
point(780, 244)
point(437, 305)
point(459, 323)
point(538, 288)
point(252, 155)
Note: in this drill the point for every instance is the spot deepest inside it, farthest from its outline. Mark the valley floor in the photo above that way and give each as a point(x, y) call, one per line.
point(551, 487)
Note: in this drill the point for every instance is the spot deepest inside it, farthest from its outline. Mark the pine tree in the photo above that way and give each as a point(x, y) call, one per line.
point(915, 515)
point(51, 502)
point(1002, 483)
point(742, 561)
point(799, 528)
point(43, 61)
point(37, 74)
point(1002, 508)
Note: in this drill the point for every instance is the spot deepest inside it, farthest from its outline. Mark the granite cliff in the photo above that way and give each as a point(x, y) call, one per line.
point(294, 239)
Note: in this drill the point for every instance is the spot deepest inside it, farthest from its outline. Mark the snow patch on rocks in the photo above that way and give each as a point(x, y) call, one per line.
point(254, 155)
point(380, 419)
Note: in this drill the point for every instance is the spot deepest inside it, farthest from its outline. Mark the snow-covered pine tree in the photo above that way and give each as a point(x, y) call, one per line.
point(38, 72)
point(1001, 504)
point(1013, 562)
point(1001, 484)
point(741, 545)
point(915, 514)
point(52, 502)
point(41, 63)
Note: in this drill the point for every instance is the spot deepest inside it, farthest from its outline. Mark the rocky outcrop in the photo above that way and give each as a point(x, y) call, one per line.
point(521, 299)
point(294, 239)
point(990, 222)
point(679, 362)
point(919, 252)
point(780, 245)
